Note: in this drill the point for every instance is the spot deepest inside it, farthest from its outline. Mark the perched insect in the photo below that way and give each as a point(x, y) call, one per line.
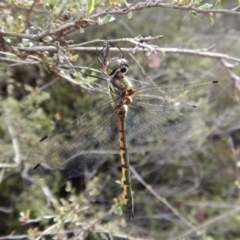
point(146, 114)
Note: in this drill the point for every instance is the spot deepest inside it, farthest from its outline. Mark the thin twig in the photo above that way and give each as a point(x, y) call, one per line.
point(142, 70)
point(8, 165)
point(15, 144)
point(234, 77)
point(93, 19)
point(27, 21)
point(163, 200)
point(208, 223)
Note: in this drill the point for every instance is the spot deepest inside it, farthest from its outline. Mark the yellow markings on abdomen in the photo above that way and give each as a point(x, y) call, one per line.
point(126, 190)
point(123, 157)
point(124, 170)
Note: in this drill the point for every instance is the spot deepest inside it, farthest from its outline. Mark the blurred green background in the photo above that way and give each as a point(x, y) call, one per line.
point(196, 172)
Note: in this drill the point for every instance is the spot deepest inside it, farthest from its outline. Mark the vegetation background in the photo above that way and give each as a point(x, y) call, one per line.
point(186, 187)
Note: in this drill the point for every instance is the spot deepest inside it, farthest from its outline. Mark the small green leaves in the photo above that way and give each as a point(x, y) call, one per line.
point(49, 6)
point(193, 13)
point(45, 64)
point(211, 21)
point(113, 2)
point(69, 187)
point(118, 210)
point(217, 4)
point(129, 14)
point(196, 2)
point(108, 18)
point(206, 6)
point(90, 6)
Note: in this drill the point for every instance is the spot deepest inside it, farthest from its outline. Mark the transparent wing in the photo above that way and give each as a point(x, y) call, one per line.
point(81, 146)
point(157, 112)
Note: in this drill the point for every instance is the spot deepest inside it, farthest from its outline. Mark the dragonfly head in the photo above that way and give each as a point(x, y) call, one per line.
point(119, 85)
point(117, 65)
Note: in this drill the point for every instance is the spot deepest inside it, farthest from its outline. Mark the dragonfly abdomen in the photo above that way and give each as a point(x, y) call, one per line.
point(126, 176)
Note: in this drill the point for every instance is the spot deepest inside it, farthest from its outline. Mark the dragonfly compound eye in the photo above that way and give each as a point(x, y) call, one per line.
point(124, 65)
point(120, 65)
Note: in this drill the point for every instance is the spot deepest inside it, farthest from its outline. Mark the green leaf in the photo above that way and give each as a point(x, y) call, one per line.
point(217, 4)
point(211, 21)
point(113, 2)
point(118, 210)
point(90, 6)
point(129, 14)
point(193, 13)
point(118, 182)
point(68, 186)
point(206, 6)
point(185, 17)
point(108, 18)
point(196, 2)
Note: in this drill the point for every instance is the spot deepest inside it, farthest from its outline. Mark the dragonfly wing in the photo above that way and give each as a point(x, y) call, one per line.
point(190, 94)
point(157, 112)
point(149, 124)
point(81, 146)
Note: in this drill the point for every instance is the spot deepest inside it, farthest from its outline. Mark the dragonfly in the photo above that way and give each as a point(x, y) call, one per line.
point(145, 114)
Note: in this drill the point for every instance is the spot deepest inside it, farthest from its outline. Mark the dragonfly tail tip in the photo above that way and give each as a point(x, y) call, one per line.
point(36, 166)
